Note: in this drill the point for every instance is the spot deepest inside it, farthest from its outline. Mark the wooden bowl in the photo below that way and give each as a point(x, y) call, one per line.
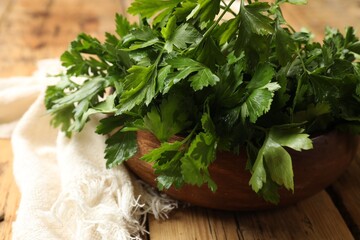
point(314, 170)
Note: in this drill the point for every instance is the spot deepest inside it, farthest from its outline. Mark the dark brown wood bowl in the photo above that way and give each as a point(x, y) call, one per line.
point(314, 170)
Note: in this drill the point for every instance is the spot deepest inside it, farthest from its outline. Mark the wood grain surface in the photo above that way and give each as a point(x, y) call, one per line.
point(314, 218)
point(31, 30)
point(346, 194)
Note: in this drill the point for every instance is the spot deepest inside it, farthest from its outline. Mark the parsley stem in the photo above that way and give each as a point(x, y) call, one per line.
point(299, 83)
point(279, 16)
point(208, 32)
point(157, 61)
point(262, 129)
point(242, 5)
point(224, 7)
point(190, 134)
point(302, 63)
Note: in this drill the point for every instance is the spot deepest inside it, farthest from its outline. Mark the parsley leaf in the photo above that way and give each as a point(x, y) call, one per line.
point(123, 26)
point(69, 109)
point(202, 76)
point(254, 21)
point(208, 9)
point(166, 120)
point(149, 8)
point(195, 163)
point(261, 92)
point(200, 155)
point(167, 164)
point(182, 36)
point(274, 159)
point(139, 87)
point(120, 147)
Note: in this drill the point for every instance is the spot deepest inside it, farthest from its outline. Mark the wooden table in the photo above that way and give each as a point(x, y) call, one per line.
point(31, 30)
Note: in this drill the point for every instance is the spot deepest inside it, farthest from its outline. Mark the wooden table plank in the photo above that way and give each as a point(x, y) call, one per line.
point(314, 218)
point(347, 195)
point(9, 194)
point(35, 30)
point(31, 30)
point(4, 8)
point(318, 14)
point(195, 223)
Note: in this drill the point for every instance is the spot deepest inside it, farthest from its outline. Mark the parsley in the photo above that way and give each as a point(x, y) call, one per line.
point(248, 82)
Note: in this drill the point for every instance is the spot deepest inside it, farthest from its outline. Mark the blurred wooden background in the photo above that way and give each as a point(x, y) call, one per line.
point(31, 30)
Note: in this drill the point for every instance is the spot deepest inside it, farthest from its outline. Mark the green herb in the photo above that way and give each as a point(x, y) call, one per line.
point(247, 82)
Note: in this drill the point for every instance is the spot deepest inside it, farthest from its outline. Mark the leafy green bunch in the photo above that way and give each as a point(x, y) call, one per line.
point(222, 79)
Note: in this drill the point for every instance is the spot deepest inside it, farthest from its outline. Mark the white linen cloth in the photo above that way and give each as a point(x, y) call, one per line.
point(66, 191)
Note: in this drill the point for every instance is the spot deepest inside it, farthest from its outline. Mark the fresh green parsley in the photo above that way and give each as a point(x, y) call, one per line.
point(246, 82)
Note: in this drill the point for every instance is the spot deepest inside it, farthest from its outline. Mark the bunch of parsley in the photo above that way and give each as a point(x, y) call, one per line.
point(246, 83)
